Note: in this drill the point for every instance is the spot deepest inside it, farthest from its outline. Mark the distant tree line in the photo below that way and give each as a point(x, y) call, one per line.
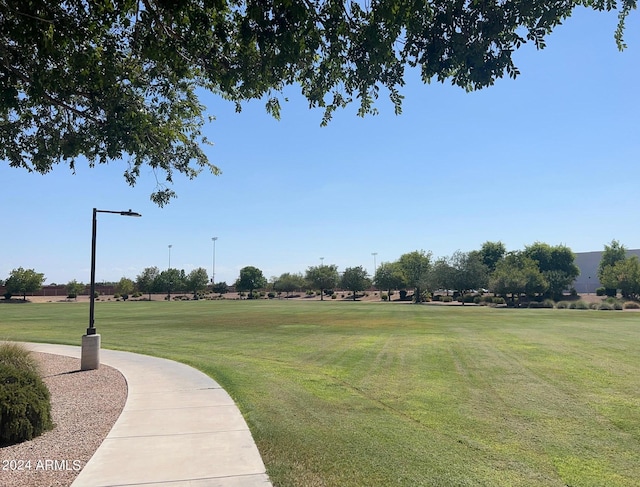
point(539, 271)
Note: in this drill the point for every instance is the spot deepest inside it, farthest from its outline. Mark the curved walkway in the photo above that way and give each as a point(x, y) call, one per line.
point(178, 428)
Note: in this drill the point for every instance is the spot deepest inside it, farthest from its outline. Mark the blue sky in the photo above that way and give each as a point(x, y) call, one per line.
point(552, 156)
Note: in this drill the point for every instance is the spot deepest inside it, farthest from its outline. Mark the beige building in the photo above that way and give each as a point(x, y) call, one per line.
point(587, 281)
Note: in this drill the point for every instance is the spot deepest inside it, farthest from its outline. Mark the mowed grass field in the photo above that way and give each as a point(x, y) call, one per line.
point(379, 394)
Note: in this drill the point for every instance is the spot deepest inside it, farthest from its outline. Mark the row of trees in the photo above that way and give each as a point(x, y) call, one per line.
point(152, 280)
point(539, 270)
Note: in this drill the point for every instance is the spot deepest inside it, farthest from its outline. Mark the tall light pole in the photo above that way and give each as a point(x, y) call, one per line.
point(321, 261)
point(169, 256)
point(90, 353)
point(213, 266)
point(374, 262)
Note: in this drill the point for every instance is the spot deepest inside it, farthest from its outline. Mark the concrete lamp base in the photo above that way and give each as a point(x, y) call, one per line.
point(90, 354)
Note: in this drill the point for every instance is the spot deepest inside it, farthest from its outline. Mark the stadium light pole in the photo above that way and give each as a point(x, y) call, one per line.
point(213, 266)
point(90, 353)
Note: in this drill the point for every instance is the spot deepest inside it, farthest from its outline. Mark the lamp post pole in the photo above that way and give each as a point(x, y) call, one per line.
point(90, 353)
point(374, 262)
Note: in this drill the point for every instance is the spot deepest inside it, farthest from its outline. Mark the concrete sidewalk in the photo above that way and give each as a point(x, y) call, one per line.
point(178, 428)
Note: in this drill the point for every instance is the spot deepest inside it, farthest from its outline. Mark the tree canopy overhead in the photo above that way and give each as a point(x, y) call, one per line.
point(116, 79)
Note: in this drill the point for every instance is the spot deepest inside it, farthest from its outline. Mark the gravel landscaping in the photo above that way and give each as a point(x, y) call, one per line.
point(85, 405)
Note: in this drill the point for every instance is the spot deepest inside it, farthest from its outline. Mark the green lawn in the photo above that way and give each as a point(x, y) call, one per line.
point(377, 394)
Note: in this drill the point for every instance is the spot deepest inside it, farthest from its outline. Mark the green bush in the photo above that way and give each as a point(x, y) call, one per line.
point(447, 299)
point(631, 305)
point(25, 407)
point(581, 305)
point(594, 306)
point(600, 291)
point(605, 306)
point(384, 296)
point(548, 303)
point(498, 300)
point(562, 304)
point(333, 296)
point(15, 355)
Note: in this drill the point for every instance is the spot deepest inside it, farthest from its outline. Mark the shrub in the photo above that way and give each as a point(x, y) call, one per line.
point(384, 296)
point(25, 407)
point(605, 306)
point(581, 305)
point(498, 300)
point(437, 297)
point(334, 296)
point(631, 305)
point(594, 306)
point(447, 299)
point(618, 306)
point(547, 303)
point(474, 299)
point(15, 355)
point(600, 291)
point(562, 304)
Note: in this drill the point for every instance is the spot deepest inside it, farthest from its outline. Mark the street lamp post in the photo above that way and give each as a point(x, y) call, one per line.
point(90, 354)
point(374, 262)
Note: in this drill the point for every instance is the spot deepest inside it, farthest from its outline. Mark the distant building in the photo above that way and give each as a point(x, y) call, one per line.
point(588, 262)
